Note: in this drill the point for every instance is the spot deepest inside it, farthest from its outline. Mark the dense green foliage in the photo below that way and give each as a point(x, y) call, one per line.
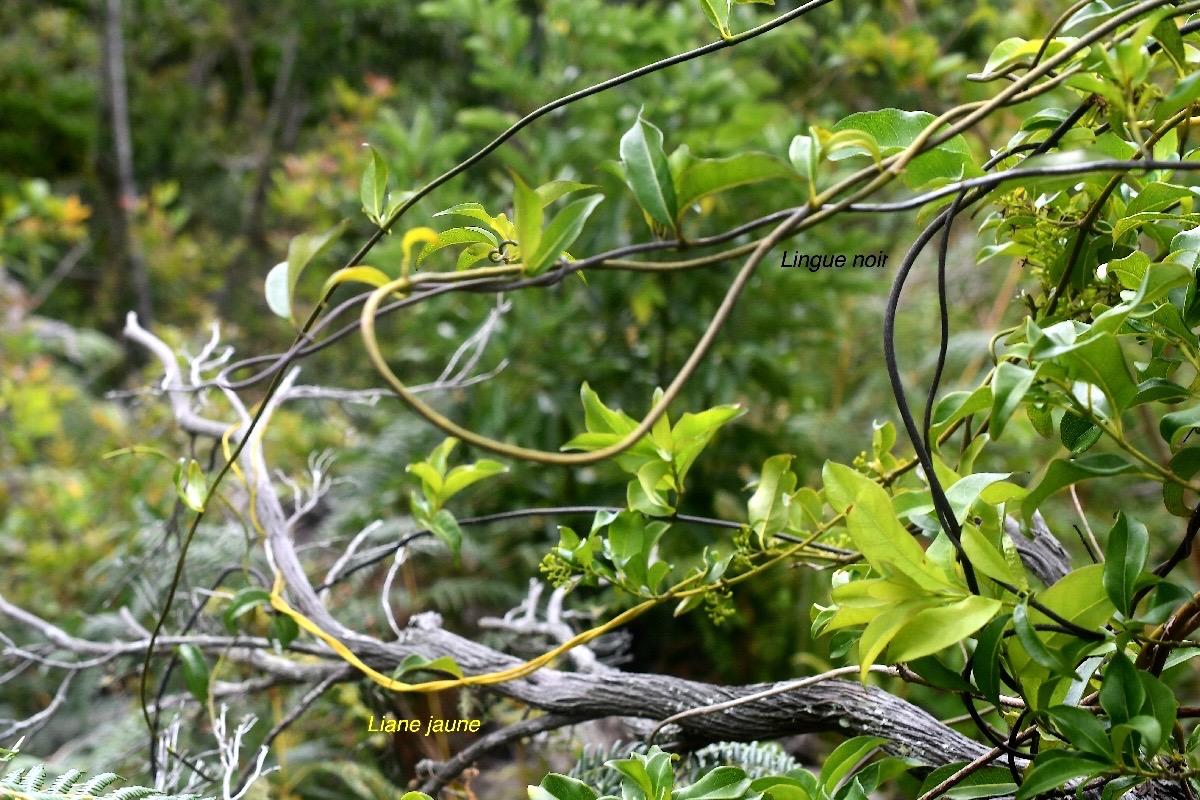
point(773, 519)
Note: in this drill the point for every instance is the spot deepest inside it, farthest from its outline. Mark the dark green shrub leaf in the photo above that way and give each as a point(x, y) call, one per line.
point(195, 671)
point(1122, 693)
point(1054, 768)
point(1124, 557)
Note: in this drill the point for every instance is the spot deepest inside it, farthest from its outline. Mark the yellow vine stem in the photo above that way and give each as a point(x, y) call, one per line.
point(529, 667)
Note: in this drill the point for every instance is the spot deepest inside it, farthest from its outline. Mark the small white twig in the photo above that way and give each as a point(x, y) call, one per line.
point(345, 557)
point(386, 592)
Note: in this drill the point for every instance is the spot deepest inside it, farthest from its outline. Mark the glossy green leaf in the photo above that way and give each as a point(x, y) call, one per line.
point(957, 405)
point(700, 177)
point(981, 783)
point(693, 432)
point(527, 216)
point(445, 527)
point(1175, 426)
point(805, 154)
point(1124, 557)
point(1054, 768)
point(1122, 693)
point(373, 188)
point(416, 662)
point(768, 507)
point(648, 173)
point(935, 629)
point(1078, 434)
point(561, 787)
point(561, 233)
point(1009, 386)
point(717, 12)
point(549, 192)
point(1161, 704)
point(894, 130)
point(1062, 474)
point(985, 557)
point(985, 664)
point(1034, 647)
point(723, 783)
point(963, 493)
point(1081, 729)
point(844, 758)
point(883, 541)
point(464, 475)
point(458, 236)
point(283, 277)
point(368, 275)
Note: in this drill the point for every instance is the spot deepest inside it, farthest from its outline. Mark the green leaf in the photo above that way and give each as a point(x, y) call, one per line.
point(463, 476)
point(985, 665)
point(549, 192)
point(420, 796)
point(1174, 426)
point(805, 155)
point(1009, 386)
point(1078, 434)
point(283, 277)
point(1181, 95)
point(561, 787)
point(416, 662)
point(895, 130)
point(191, 486)
point(561, 233)
point(373, 188)
point(700, 177)
point(723, 783)
point(283, 629)
point(717, 12)
point(648, 173)
point(844, 758)
point(195, 671)
point(963, 493)
point(527, 216)
point(1122, 693)
point(693, 432)
point(244, 601)
point(1034, 647)
point(939, 675)
point(1013, 51)
point(768, 507)
point(935, 629)
point(957, 405)
point(884, 542)
point(471, 210)
point(981, 783)
point(1124, 557)
point(457, 236)
point(885, 625)
point(1054, 768)
point(445, 527)
point(1061, 474)
point(985, 557)
point(1081, 729)
point(1160, 704)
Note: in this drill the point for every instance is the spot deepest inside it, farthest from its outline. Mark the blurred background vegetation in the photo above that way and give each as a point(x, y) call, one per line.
point(247, 123)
